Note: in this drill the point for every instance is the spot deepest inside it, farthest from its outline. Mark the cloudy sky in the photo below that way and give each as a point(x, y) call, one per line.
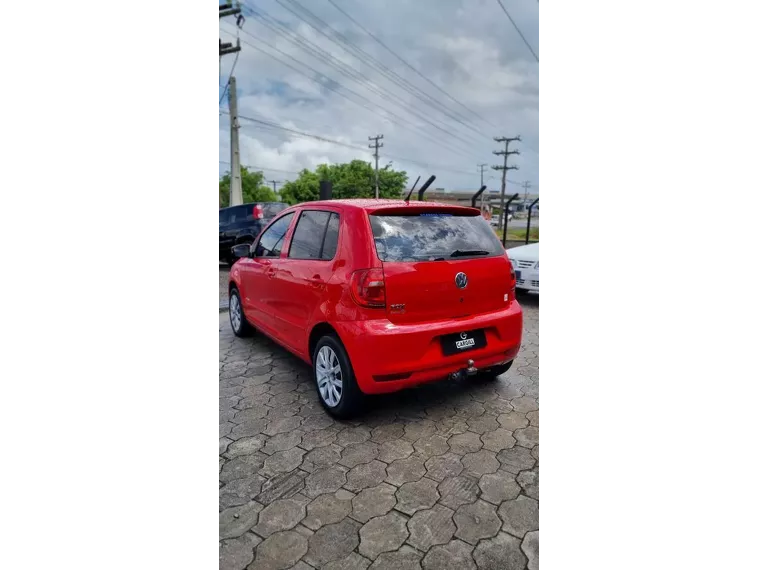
point(476, 79)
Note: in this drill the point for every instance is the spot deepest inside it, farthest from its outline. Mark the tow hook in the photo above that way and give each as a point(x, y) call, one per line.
point(464, 372)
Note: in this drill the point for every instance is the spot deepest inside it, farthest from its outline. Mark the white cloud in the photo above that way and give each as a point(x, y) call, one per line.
point(467, 47)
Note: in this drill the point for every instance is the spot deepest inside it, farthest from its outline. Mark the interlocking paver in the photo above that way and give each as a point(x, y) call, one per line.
point(512, 421)
point(282, 514)
point(365, 475)
point(328, 509)
point(519, 516)
point(352, 561)
point(240, 491)
point(480, 462)
point(283, 441)
point(237, 553)
point(501, 552)
point(527, 437)
point(283, 461)
point(515, 459)
point(431, 445)
point(498, 487)
point(458, 490)
point(455, 555)
point(404, 470)
point(431, 527)
point(445, 475)
point(280, 551)
point(383, 534)
point(321, 457)
point(325, 480)
point(394, 449)
point(524, 404)
point(416, 430)
point(416, 495)
point(403, 559)
point(530, 483)
point(482, 424)
point(476, 521)
point(373, 502)
point(241, 467)
point(236, 521)
point(319, 438)
point(464, 443)
point(358, 453)
point(332, 542)
point(245, 446)
point(531, 547)
point(387, 432)
point(441, 466)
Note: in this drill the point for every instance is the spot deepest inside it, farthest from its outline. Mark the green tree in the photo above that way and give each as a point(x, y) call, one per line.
point(349, 180)
point(253, 189)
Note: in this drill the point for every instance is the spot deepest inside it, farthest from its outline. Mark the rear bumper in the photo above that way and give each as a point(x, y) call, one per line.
point(387, 357)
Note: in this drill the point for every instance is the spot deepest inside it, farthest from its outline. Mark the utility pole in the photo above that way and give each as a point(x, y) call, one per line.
point(376, 146)
point(525, 185)
point(481, 183)
point(274, 182)
point(223, 48)
point(505, 168)
point(235, 195)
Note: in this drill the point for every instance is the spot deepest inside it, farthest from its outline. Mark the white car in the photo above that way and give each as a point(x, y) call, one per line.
point(526, 262)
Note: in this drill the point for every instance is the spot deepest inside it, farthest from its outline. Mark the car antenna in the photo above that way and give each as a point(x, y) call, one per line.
point(408, 197)
point(426, 185)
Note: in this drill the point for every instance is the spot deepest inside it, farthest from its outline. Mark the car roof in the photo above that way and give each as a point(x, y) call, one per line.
point(373, 204)
point(249, 204)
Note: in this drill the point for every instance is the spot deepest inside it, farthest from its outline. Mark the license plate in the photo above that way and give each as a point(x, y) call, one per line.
point(518, 274)
point(463, 341)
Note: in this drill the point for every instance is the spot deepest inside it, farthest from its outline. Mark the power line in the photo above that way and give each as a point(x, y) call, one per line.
point(366, 58)
point(408, 65)
point(517, 29)
point(392, 117)
point(256, 168)
point(347, 70)
point(295, 132)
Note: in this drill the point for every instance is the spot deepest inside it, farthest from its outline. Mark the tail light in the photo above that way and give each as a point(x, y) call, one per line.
point(258, 212)
point(367, 288)
point(513, 280)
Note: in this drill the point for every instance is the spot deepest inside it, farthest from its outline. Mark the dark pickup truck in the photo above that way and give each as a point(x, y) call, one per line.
point(242, 224)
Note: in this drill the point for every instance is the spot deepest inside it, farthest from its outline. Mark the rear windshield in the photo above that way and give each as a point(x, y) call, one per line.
point(433, 237)
point(271, 209)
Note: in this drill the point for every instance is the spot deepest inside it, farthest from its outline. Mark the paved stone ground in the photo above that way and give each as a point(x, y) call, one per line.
point(444, 476)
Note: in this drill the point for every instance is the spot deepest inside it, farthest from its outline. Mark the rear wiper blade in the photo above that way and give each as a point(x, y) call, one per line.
point(462, 252)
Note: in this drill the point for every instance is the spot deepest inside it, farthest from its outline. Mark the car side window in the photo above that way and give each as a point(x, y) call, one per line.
point(329, 250)
point(270, 243)
point(223, 217)
point(309, 235)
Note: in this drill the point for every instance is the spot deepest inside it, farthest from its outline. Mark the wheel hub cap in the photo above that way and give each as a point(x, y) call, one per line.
point(329, 376)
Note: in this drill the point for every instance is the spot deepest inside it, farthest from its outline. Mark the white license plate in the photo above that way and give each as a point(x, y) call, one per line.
point(465, 342)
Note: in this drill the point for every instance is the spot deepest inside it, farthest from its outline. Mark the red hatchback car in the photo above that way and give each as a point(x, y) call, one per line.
point(379, 295)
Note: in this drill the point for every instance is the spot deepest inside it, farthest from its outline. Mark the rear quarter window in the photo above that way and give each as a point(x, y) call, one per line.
point(432, 236)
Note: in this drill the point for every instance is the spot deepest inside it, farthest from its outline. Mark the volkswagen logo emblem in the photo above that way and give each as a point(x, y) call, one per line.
point(461, 280)
point(463, 336)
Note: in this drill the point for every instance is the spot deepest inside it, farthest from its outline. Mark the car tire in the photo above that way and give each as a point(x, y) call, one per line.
point(490, 374)
point(338, 392)
point(237, 319)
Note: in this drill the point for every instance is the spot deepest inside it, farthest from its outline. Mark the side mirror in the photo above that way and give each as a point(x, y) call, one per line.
point(242, 250)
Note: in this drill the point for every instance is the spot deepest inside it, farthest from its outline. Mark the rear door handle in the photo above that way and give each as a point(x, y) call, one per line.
point(270, 272)
point(316, 281)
